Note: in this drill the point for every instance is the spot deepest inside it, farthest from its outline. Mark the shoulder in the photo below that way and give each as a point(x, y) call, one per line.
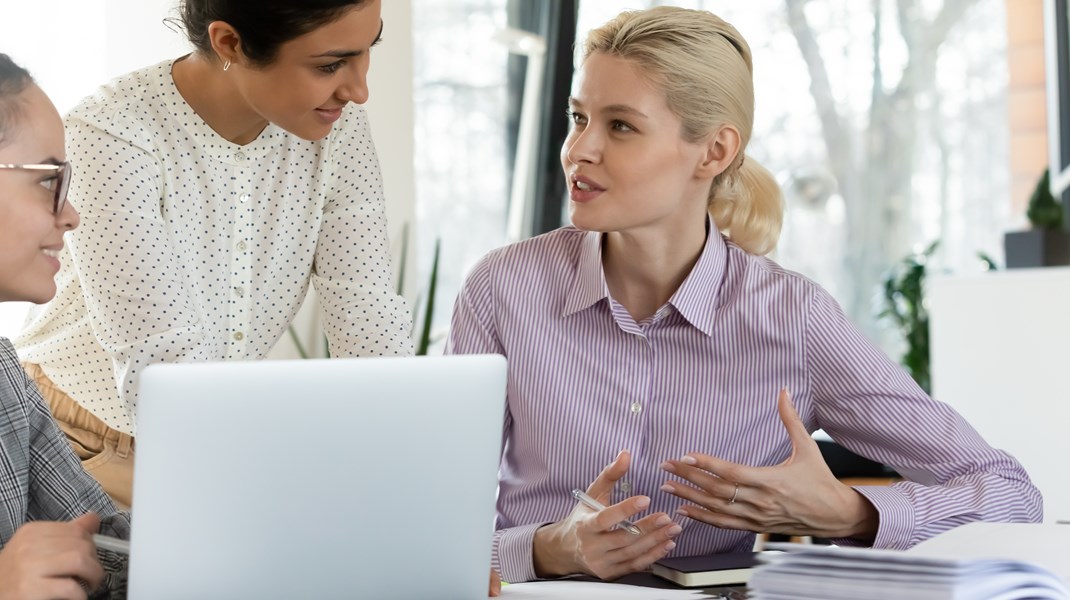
point(12, 383)
point(554, 254)
point(127, 104)
point(768, 284)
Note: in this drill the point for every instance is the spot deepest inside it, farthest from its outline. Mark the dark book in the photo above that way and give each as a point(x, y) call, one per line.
point(707, 571)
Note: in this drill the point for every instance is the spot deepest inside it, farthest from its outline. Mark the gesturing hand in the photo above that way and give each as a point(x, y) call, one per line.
point(49, 561)
point(588, 541)
point(800, 496)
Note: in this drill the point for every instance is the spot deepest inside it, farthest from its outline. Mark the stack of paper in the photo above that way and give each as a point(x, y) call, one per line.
point(982, 561)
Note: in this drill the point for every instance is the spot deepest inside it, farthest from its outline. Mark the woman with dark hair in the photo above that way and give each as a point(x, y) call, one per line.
point(214, 188)
point(51, 506)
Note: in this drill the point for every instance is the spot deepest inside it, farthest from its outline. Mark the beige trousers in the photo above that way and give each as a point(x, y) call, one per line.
point(107, 454)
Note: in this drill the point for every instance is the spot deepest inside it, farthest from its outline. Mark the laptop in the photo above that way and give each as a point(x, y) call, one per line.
point(341, 478)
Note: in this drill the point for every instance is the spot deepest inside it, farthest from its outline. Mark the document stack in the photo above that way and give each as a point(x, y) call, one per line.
point(982, 561)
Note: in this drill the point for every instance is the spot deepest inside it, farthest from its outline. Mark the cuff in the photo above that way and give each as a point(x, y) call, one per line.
point(895, 521)
point(513, 555)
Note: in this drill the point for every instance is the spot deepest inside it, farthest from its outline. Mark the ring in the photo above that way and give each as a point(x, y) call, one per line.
point(735, 493)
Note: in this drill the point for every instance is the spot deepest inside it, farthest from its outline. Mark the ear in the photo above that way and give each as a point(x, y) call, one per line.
point(722, 148)
point(225, 41)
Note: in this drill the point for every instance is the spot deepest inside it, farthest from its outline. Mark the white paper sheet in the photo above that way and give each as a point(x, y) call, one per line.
point(586, 590)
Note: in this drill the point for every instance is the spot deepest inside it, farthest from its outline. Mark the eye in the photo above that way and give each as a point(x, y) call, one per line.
point(621, 126)
point(331, 68)
point(377, 41)
point(49, 183)
point(575, 117)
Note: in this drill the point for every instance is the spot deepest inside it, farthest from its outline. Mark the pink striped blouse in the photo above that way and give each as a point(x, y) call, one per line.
point(702, 374)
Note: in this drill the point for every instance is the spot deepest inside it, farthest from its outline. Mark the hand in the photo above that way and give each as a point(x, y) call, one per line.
point(800, 496)
point(51, 561)
point(589, 542)
point(495, 589)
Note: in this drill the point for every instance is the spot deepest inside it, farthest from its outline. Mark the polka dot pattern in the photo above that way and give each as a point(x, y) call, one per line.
point(192, 248)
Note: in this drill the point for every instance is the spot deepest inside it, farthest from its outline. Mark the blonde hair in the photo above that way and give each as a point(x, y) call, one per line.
point(704, 67)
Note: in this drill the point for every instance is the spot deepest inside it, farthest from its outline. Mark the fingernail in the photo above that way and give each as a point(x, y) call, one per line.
point(668, 488)
point(662, 521)
point(642, 502)
point(675, 530)
point(667, 466)
point(689, 460)
point(681, 511)
point(670, 546)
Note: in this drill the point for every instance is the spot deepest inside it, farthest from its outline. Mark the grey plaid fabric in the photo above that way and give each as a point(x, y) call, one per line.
point(41, 479)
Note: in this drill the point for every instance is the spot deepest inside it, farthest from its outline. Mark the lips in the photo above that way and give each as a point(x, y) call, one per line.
point(583, 189)
point(329, 115)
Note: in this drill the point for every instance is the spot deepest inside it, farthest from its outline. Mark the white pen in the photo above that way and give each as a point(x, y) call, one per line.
point(593, 504)
point(111, 544)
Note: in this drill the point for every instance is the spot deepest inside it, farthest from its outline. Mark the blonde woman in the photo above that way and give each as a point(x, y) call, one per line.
point(655, 325)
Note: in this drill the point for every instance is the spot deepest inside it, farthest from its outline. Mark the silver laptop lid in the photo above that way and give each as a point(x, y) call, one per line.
point(341, 478)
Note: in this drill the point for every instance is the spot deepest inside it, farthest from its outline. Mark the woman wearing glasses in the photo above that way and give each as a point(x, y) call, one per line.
point(213, 189)
point(51, 505)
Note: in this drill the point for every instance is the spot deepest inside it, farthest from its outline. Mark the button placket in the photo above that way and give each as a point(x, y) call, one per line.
point(241, 266)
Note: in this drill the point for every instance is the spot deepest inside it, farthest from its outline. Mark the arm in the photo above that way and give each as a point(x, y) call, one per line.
point(139, 307)
point(872, 407)
point(362, 314)
point(60, 490)
point(583, 541)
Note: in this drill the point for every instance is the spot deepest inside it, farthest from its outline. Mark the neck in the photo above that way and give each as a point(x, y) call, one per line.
point(212, 94)
point(644, 268)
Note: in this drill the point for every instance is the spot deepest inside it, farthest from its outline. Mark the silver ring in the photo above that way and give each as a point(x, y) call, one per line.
point(735, 493)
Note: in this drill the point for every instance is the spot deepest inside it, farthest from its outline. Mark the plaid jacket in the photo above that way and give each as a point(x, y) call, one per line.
point(41, 479)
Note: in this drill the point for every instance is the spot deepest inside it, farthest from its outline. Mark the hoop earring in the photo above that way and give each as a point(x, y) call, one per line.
point(226, 65)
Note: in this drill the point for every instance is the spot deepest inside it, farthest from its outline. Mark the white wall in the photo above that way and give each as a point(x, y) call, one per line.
point(999, 357)
point(73, 46)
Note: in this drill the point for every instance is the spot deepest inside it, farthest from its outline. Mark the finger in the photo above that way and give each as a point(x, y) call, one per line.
point(652, 547)
point(720, 519)
point(89, 523)
point(801, 441)
point(601, 488)
point(77, 559)
point(716, 500)
point(712, 484)
point(607, 519)
point(62, 588)
point(719, 474)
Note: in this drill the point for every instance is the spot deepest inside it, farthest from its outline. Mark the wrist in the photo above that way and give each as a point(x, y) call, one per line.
point(547, 552)
point(861, 518)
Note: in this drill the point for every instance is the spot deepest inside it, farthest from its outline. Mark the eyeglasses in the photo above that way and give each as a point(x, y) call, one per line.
point(57, 184)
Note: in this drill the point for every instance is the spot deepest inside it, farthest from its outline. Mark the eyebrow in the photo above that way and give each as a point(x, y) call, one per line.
point(351, 53)
point(621, 109)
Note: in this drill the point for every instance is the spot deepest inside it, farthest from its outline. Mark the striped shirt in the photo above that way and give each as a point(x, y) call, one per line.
point(41, 479)
point(702, 375)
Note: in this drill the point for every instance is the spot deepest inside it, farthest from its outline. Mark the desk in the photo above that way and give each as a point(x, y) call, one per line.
point(653, 581)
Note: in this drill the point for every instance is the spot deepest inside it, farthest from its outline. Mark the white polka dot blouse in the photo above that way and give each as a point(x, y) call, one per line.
point(192, 248)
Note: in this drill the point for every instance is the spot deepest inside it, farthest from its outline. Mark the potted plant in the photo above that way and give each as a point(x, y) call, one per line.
point(1046, 243)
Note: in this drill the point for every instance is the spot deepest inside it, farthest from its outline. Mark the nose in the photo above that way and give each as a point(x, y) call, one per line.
point(68, 218)
point(582, 146)
point(355, 88)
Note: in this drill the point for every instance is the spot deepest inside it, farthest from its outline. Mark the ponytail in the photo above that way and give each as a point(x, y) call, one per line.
point(746, 204)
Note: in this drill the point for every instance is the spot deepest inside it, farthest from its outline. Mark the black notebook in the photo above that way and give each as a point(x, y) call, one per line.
point(707, 571)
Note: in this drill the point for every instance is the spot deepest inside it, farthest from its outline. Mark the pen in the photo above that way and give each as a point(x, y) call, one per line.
point(105, 542)
point(593, 504)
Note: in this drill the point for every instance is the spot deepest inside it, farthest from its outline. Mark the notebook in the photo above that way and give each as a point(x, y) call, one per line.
point(342, 478)
point(707, 571)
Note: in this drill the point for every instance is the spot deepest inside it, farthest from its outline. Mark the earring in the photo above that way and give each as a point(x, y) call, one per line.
point(226, 65)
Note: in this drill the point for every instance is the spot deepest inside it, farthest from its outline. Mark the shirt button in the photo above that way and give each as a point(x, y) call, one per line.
point(626, 487)
point(239, 156)
point(239, 291)
point(242, 246)
point(637, 408)
point(239, 336)
point(244, 197)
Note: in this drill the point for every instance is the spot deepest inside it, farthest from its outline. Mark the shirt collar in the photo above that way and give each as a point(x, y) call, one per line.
point(211, 142)
point(695, 299)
